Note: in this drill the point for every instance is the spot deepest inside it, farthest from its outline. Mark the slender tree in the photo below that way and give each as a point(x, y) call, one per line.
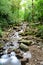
point(32, 11)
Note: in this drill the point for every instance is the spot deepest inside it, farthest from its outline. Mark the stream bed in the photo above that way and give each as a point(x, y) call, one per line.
point(19, 50)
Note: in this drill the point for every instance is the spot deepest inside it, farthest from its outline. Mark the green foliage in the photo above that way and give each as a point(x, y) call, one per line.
point(14, 11)
point(4, 6)
point(4, 12)
point(3, 23)
point(40, 10)
point(40, 31)
point(9, 12)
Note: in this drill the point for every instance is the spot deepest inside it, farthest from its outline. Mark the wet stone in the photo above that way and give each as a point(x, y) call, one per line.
point(1, 54)
point(9, 50)
point(24, 61)
point(19, 56)
point(17, 51)
point(24, 47)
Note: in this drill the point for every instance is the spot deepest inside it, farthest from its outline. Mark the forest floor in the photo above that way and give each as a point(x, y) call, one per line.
point(27, 41)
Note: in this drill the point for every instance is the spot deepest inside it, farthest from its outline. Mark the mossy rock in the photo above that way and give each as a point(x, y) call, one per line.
point(24, 47)
point(28, 33)
point(26, 42)
point(16, 50)
point(1, 45)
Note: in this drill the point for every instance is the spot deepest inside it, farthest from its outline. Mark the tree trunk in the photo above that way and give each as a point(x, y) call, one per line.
point(32, 12)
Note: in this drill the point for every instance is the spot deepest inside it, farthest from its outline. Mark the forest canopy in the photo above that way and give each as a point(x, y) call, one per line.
point(16, 11)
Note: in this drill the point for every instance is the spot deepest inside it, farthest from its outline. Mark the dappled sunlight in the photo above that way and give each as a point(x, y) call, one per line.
point(23, 8)
point(23, 1)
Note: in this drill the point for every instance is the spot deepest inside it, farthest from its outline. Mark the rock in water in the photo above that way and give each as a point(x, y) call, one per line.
point(13, 54)
point(21, 31)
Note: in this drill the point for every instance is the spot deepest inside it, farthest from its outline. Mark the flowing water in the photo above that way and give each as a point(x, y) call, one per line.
point(7, 59)
point(12, 60)
point(13, 43)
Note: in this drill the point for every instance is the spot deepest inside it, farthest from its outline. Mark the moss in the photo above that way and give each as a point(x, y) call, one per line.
point(28, 33)
point(1, 45)
point(26, 42)
point(1, 32)
point(24, 47)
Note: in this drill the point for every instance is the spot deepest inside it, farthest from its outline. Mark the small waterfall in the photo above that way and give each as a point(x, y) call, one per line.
point(9, 59)
point(13, 43)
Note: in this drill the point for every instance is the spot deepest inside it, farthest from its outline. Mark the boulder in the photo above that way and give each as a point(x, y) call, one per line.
point(24, 47)
point(26, 42)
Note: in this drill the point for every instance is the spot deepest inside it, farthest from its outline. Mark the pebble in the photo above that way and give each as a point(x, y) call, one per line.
point(41, 62)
